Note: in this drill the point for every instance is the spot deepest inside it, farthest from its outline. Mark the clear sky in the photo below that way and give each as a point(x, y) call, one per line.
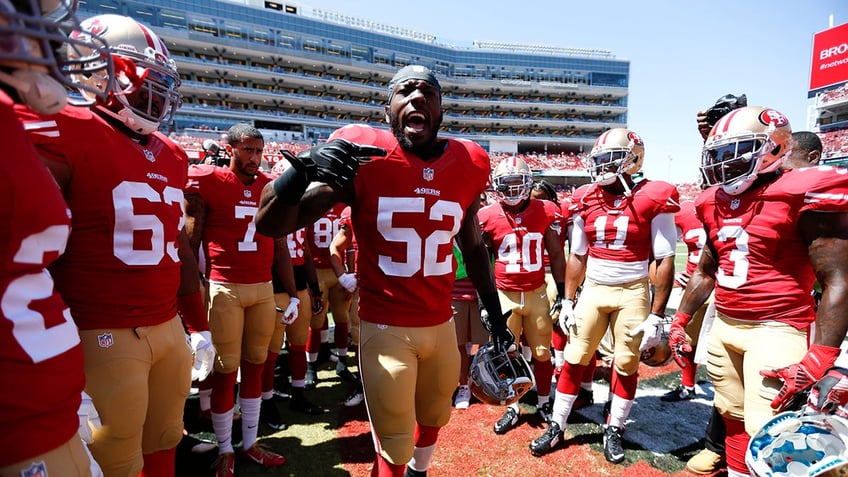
point(683, 54)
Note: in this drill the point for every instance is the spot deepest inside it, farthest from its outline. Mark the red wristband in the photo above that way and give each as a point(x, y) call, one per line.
point(191, 310)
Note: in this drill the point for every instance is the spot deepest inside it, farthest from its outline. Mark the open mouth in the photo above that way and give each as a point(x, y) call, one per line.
point(416, 123)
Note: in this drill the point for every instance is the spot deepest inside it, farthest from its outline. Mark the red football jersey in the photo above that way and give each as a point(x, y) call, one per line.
point(618, 227)
point(692, 233)
point(519, 241)
point(237, 253)
point(320, 235)
point(406, 214)
point(296, 241)
point(764, 272)
point(41, 364)
point(121, 267)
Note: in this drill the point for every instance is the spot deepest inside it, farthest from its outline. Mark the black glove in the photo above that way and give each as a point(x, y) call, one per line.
point(830, 392)
point(335, 162)
point(502, 337)
point(556, 309)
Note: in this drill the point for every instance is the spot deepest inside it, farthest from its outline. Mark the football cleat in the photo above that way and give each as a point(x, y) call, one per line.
point(613, 445)
point(311, 379)
point(354, 399)
point(225, 465)
point(270, 415)
point(547, 441)
point(410, 472)
point(463, 397)
point(301, 404)
point(706, 462)
point(507, 421)
point(545, 411)
point(680, 393)
point(263, 456)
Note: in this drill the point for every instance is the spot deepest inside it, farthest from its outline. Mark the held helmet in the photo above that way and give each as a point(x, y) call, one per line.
point(616, 152)
point(659, 355)
point(145, 90)
point(743, 144)
point(499, 378)
point(793, 443)
point(512, 180)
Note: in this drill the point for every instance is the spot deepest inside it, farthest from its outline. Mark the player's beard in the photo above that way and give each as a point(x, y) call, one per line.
point(424, 150)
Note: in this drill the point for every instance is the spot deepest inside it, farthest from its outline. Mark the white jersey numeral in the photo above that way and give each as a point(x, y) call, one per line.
point(420, 254)
point(19, 301)
point(739, 256)
point(527, 258)
point(128, 224)
point(620, 230)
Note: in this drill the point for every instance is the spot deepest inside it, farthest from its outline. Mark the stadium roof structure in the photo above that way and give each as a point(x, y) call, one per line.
point(301, 72)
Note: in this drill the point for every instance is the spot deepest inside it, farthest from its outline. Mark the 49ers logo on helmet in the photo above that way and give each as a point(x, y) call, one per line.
point(635, 138)
point(769, 116)
point(93, 26)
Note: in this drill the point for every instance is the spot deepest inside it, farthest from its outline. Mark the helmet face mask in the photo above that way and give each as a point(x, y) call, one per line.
point(35, 33)
point(616, 153)
point(794, 443)
point(512, 181)
point(745, 143)
point(499, 378)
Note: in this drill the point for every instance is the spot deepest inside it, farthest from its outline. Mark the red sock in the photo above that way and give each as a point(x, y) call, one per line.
point(297, 361)
point(425, 436)
point(384, 468)
point(160, 464)
point(687, 375)
point(313, 343)
point(624, 386)
point(340, 335)
point(268, 371)
point(736, 443)
point(543, 370)
point(223, 398)
point(251, 379)
point(569, 380)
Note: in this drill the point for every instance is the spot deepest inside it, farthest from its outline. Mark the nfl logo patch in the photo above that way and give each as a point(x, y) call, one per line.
point(35, 470)
point(105, 340)
point(428, 174)
point(734, 204)
point(149, 155)
point(247, 194)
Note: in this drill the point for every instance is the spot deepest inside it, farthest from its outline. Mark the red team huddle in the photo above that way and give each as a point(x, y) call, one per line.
point(122, 222)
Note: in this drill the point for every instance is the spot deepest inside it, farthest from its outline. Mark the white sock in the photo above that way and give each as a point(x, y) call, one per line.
point(421, 457)
point(543, 400)
point(249, 420)
point(619, 410)
point(562, 408)
point(223, 426)
point(587, 386)
point(266, 395)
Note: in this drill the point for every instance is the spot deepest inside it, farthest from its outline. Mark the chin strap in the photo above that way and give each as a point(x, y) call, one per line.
point(627, 191)
point(37, 90)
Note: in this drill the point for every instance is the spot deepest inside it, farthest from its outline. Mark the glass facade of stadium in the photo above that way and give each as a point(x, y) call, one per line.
point(298, 73)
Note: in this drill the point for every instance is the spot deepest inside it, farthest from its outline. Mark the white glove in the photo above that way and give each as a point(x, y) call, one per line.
point(89, 419)
point(290, 315)
point(204, 355)
point(566, 316)
point(348, 282)
point(652, 328)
